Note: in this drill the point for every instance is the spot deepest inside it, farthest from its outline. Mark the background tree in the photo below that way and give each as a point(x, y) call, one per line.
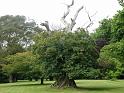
point(102, 35)
point(109, 39)
point(118, 26)
point(16, 33)
point(111, 59)
point(110, 30)
point(19, 64)
point(3, 76)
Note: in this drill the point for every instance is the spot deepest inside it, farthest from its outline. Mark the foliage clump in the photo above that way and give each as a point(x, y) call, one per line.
point(65, 55)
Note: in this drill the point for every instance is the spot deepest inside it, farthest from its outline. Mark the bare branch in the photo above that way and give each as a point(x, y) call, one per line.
point(75, 17)
point(46, 24)
point(89, 17)
point(69, 26)
point(66, 14)
point(89, 25)
point(94, 14)
point(68, 9)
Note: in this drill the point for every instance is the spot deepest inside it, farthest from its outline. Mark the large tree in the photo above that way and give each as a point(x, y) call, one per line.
point(65, 55)
point(111, 32)
point(16, 33)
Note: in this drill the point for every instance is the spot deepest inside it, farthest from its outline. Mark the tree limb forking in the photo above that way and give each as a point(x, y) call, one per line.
point(75, 17)
point(68, 9)
point(66, 14)
point(69, 26)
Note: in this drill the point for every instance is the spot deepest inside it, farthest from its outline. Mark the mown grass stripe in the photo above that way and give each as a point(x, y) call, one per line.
point(85, 86)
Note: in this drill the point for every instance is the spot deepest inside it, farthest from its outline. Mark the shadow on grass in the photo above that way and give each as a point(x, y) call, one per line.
point(97, 88)
point(24, 85)
point(32, 84)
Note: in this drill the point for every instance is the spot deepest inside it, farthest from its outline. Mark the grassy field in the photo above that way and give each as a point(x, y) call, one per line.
point(84, 86)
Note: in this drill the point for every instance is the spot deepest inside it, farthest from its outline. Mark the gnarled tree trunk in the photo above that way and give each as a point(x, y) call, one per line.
point(63, 82)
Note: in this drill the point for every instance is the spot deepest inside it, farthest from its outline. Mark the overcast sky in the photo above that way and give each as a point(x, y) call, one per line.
point(52, 10)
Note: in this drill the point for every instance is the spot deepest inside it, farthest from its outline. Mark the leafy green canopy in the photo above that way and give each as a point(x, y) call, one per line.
point(104, 30)
point(112, 30)
point(62, 53)
point(111, 33)
point(118, 26)
point(16, 32)
point(112, 59)
point(19, 63)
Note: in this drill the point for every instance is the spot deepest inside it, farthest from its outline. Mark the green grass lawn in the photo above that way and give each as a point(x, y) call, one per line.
point(84, 86)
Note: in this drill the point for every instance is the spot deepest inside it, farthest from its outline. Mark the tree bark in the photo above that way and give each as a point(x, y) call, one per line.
point(46, 24)
point(30, 79)
point(50, 78)
point(64, 82)
point(41, 82)
point(10, 78)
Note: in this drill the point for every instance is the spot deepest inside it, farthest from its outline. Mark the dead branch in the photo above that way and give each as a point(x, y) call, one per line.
point(91, 21)
point(46, 24)
point(66, 14)
point(75, 17)
point(68, 9)
point(69, 26)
